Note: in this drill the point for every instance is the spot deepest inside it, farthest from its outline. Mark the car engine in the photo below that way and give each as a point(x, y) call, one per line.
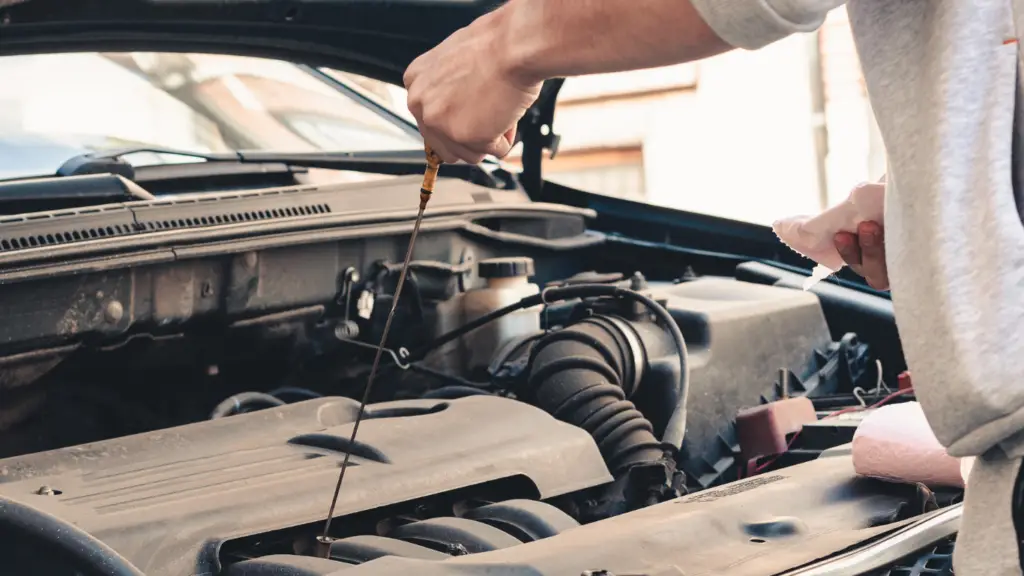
point(192, 415)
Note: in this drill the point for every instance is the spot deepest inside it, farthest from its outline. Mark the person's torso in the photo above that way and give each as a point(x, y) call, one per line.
point(942, 76)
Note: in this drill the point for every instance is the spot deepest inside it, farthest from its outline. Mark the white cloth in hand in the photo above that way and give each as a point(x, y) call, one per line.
point(814, 236)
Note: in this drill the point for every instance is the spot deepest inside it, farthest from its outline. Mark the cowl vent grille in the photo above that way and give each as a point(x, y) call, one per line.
point(66, 237)
point(236, 217)
point(197, 211)
point(68, 226)
point(65, 226)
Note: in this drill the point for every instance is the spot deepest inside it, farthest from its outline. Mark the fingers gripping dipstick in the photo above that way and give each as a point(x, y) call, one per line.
point(323, 544)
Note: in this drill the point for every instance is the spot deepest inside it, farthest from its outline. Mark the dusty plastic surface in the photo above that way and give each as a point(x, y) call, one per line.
point(896, 443)
point(814, 236)
point(163, 500)
point(757, 527)
point(739, 335)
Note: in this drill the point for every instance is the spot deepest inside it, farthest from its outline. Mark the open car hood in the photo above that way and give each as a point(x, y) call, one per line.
point(375, 38)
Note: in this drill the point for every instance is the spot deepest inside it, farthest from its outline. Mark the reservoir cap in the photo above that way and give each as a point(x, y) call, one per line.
point(513, 267)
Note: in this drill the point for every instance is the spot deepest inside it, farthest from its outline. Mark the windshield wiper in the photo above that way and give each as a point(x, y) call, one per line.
point(395, 163)
point(106, 177)
point(43, 194)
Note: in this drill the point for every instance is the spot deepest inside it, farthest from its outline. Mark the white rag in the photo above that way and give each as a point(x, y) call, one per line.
point(896, 443)
point(814, 236)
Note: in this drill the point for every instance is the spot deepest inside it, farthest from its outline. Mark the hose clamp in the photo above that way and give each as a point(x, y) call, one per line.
point(637, 350)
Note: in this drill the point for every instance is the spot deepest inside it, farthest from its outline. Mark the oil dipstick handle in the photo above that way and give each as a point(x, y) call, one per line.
point(429, 177)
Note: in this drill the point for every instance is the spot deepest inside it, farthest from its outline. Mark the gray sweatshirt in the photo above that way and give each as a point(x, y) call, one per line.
point(942, 79)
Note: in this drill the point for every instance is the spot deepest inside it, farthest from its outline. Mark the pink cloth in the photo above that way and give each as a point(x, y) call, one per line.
point(896, 443)
point(814, 236)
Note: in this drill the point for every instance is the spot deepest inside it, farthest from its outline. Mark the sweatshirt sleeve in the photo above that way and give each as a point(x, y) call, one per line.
point(753, 24)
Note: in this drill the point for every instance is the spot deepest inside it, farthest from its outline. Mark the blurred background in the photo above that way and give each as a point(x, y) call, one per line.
point(750, 136)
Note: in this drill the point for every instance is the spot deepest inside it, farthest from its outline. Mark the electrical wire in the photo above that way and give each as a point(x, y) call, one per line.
point(762, 466)
point(448, 378)
point(675, 430)
point(243, 401)
point(878, 404)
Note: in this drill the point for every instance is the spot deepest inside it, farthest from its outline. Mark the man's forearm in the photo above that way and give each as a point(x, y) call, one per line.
point(545, 39)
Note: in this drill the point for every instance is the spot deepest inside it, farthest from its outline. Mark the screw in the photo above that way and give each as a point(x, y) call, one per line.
point(637, 282)
point(114, 312)
point(46, 491)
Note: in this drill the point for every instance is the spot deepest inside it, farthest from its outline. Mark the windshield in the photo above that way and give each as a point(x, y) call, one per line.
point(61, 105)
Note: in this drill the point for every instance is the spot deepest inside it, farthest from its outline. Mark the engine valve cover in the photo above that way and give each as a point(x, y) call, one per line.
point(166, 500)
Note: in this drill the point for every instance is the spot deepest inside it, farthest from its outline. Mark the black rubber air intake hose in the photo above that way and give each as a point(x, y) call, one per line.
point(583, 375)
point(676, 428)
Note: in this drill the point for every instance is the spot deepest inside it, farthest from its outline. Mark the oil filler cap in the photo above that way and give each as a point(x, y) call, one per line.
point(513, 267)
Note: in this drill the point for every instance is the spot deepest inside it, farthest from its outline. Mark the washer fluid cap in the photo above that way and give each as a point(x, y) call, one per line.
point(513, 267)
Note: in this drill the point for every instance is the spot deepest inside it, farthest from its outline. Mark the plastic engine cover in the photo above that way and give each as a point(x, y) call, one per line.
point(166, 500)
point(739, 337)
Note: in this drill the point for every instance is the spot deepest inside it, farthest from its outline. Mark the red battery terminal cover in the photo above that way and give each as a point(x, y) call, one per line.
point(903, 381)
point(765, 430)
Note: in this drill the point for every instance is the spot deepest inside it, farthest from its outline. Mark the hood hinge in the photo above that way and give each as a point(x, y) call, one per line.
point(536, 130)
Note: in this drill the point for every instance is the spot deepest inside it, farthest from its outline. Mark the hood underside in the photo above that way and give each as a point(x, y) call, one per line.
point(375, 38)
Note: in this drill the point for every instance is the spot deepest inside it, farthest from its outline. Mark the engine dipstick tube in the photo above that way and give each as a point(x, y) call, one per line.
point(323, 544)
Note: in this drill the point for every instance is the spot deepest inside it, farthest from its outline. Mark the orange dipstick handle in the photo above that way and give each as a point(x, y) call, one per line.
point(429, 177)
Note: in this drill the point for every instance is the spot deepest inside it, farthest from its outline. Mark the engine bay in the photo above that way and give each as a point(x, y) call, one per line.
point(551, 400)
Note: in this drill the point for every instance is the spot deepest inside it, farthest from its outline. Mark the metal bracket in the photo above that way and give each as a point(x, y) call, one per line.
point(536, 131)
point(400, 356)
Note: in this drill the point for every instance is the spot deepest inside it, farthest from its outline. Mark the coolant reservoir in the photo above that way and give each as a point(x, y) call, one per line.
point(507, 281)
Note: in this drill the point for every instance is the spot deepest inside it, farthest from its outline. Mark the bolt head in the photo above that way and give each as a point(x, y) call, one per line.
point(114, 312)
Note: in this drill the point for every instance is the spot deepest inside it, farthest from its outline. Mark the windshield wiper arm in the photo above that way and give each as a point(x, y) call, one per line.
point(41, 194)
point(395, 163)
point(113, 162)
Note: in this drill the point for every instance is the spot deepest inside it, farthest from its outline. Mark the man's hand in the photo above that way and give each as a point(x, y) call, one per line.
point(468, 93)
point(465, 101)
point(864, 253)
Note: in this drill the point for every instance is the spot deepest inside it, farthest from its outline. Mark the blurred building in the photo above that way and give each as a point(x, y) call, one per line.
point(747, 135)
point(752, 136)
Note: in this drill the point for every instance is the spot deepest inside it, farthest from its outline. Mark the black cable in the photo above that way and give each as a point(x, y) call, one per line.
point(675, 430)
point(302, 393)
point(439, 375)
point(454, 393)
point(237, 403)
